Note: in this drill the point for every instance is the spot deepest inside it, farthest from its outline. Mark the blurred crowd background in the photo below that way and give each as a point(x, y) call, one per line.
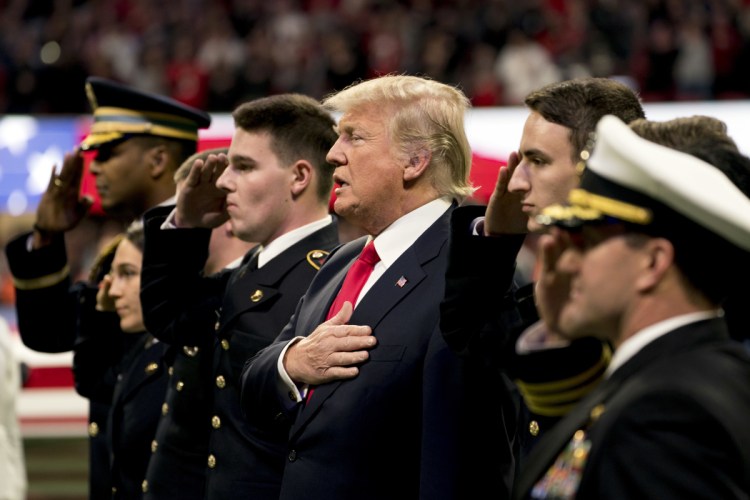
point(214, 54)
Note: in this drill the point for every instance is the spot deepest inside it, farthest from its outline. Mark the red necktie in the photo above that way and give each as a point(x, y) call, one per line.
point(354, 280)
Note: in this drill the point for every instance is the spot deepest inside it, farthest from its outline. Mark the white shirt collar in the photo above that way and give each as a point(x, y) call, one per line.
point(632, 345)
point(286, 240)
point(402, 233)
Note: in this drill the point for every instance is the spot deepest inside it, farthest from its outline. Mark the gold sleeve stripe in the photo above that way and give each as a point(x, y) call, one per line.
point(574, 381)
point(562, 397)
point(551, 411)
point(558, 402)
point(43, 281)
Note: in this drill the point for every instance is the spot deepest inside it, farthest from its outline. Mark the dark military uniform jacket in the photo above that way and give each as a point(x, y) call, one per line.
point(483, 314)
point(135, 413)
point(129, 375)
point(670, 423)
point(49, 308)
point(236, 313)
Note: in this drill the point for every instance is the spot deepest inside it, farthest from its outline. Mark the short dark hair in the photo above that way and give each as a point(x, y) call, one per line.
point(704, 137)
point(580, 103)
point(300, 128)
point(712, 265)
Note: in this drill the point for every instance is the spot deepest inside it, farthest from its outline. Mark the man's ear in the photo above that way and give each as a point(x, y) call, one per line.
point(418, 162)
point(301, 176)
point(158, 160)
point(659, 258)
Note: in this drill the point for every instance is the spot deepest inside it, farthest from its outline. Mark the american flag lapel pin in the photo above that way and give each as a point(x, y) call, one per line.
point(401, 282)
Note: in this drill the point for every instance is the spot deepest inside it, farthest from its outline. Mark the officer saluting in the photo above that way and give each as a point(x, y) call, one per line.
point(140, 139)
point(649, 243)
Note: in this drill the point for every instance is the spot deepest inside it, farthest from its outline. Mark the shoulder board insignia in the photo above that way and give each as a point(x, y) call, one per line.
point(316, 258)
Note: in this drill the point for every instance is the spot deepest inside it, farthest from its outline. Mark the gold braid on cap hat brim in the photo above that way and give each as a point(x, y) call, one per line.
point(611, 207)
point(109, 120)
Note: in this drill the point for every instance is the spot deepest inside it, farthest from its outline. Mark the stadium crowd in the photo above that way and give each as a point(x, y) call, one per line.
point(216, 54)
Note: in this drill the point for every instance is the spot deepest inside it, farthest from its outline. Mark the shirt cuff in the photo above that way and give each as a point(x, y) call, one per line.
point(296, 394)
point(477, 226)
point(169, 221)
point(536, 338)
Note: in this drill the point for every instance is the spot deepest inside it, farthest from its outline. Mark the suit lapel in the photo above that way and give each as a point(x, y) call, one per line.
point(401, 278)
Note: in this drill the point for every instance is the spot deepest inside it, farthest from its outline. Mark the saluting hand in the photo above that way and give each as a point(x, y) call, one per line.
point(200, 203)
point(331, 351)
point(504, 214)
point(104, 301)
point(61, 207)
point(552, 287)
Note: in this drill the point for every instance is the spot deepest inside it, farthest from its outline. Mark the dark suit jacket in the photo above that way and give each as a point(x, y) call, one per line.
point(236, 313)
point(671, 423)
point(411, 424)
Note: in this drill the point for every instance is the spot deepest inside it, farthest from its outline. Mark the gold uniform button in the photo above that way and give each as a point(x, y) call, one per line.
point(190, 352)
point(164, 409)
point(154, 446)
point(225, 344)
point(211, 461)
point(256, 295)
point(215, 422)
point(151, 368)
point(93, 429)
point(180, 385)
point(114, 490)
point(144, 486)
point(217, 325)
point(221, 382)
point(171, 370)
point(596, 412)
point(534, 428)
